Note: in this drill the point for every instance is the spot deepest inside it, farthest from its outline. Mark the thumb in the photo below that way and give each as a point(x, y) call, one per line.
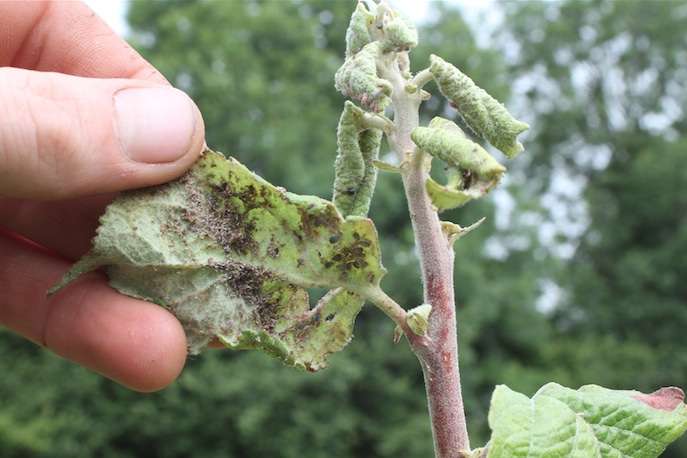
point(66, 136)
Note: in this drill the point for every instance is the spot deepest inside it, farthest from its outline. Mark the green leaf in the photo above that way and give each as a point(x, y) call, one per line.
point(454, 231)
point(357, 79)
point(585, 423)
point(358, 32)
point(357, 150)
point(471, 170)
point(417, 319)
point(446, 197)
point(398, 33)
point(484, 114)
point(231, 255)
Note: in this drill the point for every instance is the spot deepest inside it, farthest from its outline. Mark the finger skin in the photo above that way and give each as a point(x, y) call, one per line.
point(66, 227)
point(135, 343)
point(59, 137)
point(67, 37)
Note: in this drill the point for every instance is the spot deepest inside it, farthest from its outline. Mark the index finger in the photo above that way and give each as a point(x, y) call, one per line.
point(67, 37)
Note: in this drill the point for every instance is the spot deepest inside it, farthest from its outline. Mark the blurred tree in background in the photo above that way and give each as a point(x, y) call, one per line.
point(601, 83)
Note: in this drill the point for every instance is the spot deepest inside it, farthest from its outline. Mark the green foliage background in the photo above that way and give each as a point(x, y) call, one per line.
point(603, 85)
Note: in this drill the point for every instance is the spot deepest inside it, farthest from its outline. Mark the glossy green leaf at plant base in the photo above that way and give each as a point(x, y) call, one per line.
point(590, 422)
point(231, 255)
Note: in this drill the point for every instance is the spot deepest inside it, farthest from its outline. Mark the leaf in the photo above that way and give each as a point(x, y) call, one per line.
point(625, 423)
point(357, 150)
point(587, 423)
point(398, 33)
point(446, 141)
point(231, 256)
point(538, 427)
point(485, 115)
point(417, 319)
point(446, 197)
point(358, 32)
point(471, 170)
point(454, 231)
point(357, 79)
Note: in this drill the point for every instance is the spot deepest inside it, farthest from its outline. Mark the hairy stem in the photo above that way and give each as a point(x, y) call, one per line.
point(438, 352)
point(377, 121)
point(387, 305)
point(422, 78)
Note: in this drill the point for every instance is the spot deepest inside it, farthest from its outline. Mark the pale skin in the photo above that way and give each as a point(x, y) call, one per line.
point(84, 116)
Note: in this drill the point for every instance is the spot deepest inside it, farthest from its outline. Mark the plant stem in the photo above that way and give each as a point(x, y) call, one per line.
point(387, 305)
point(422, 78)
point(438, 353)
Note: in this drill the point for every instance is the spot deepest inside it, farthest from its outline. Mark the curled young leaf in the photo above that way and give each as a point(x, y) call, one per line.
point(358, 32)
point(232, 255)
point(444, 140)
point(417, 319)
point(446, 197)
point(476, 453)
point(396, 33)
point(454, 231)
point(585, 423)
point(355, 173)
point(357, 79)
point(471, 171)
point(485, 115)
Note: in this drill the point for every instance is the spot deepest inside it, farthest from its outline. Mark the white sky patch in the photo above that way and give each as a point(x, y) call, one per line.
point(112, 12)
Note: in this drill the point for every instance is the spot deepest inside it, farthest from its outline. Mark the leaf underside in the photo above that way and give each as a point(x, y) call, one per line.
point(232, 255)
point(586, 423)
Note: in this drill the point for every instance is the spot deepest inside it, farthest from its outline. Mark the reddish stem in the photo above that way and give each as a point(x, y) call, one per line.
point(438, 351)
point(438, 355)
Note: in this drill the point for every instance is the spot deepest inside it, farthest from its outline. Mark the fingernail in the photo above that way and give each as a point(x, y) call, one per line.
point(154, 125)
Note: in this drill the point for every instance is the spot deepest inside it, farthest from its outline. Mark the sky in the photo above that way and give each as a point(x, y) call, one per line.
point(112, 11)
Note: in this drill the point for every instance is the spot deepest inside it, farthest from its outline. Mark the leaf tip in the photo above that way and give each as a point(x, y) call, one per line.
point(666, 398)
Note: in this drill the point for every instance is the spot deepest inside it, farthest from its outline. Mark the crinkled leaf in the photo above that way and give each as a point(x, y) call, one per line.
point(357, 150)
point(444, 140)
point(626, 423)
point(585, 423)
point(358, 32)
point(417, 319)
point(446, 197)
point(485, 115)
point(231, 256)
point(537, 427)
point(398, 33)
point(471, 170)
point(454, 231)
point(357, 79)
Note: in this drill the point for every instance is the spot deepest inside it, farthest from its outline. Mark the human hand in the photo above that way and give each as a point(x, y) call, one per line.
point(83, 116)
